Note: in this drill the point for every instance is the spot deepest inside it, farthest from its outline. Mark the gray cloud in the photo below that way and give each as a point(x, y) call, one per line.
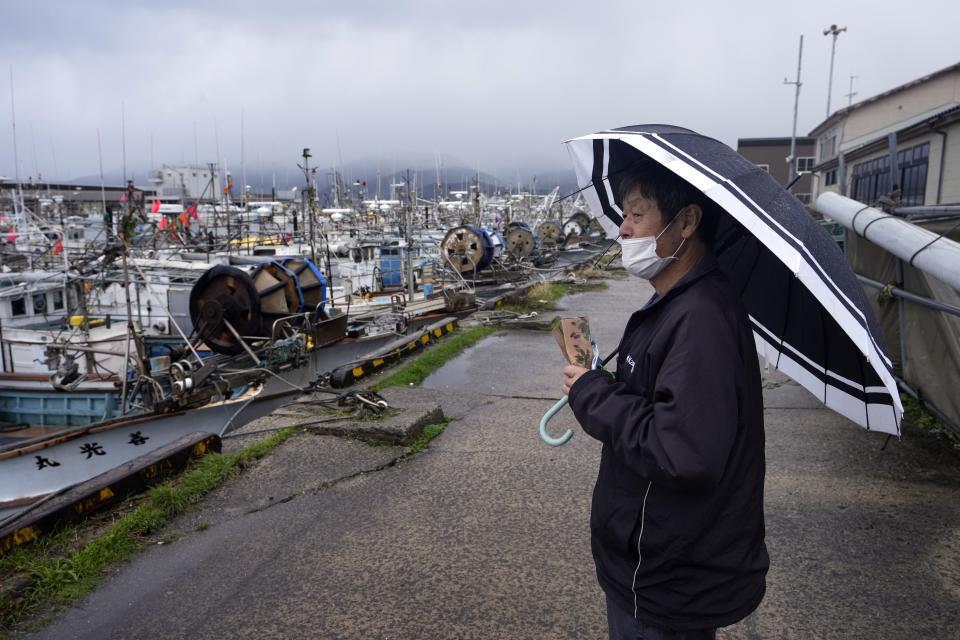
point(499, 84)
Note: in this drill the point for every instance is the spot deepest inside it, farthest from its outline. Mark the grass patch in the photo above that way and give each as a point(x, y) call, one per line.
point(415, 371)
point(58, 568)
point(591, 285)
point(430, 432)
point(915, 415)
point(542, 296)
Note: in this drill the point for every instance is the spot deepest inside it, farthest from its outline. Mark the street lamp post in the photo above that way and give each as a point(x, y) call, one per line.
point(834, 31)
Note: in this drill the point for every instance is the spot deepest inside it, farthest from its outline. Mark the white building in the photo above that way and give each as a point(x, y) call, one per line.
point(187, 183)
point(903, 143)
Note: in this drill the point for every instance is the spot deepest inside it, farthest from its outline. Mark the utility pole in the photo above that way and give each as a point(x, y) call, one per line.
point(792, 169)
point(834, 31)
point(305, 167)
point(852, 92)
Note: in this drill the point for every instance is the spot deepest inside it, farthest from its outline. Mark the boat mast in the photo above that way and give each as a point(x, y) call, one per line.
point(17, 208)
point(123, 139)
point(243, 167)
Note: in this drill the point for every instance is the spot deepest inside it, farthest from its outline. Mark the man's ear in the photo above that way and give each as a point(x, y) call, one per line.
point(690, 217)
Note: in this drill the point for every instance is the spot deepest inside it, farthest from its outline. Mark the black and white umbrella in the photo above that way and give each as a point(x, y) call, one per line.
point(811, 319)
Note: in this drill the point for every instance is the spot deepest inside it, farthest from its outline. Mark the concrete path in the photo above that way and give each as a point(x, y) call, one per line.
point(485, 534)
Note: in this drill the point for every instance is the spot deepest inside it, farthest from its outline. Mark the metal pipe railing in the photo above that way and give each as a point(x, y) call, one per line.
point(912, 297)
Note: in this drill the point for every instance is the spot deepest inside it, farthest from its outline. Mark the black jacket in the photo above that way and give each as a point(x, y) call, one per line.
point(677, 519)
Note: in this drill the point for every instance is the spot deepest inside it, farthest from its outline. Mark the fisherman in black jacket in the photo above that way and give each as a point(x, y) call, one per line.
point(677, 519)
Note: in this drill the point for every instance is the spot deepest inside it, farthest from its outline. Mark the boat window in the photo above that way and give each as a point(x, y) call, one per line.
point(19, 306)
point(57, 300)
point(39, 303)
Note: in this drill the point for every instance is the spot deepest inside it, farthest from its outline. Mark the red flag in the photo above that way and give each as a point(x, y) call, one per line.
point(192, 211)
point(185, 219)
point(156, 207)
point(58, 248)
point(123, 198)
point(163, 223)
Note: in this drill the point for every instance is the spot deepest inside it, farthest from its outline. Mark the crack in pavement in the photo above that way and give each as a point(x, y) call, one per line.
point(329, 484)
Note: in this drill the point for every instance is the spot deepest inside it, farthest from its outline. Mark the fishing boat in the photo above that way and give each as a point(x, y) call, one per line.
point(255, 339)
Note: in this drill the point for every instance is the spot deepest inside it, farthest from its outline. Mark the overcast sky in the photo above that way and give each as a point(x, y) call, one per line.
point(497, 83)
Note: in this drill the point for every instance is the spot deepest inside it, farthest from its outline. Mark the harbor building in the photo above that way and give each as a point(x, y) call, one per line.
point(189, 182)
point(54, 201)
point(773, 156)
point(902, 144)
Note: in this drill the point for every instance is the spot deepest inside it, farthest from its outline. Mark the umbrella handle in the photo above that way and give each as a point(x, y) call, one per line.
point(546, 437)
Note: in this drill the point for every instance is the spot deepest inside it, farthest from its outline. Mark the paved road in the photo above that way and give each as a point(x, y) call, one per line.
point(485, 534)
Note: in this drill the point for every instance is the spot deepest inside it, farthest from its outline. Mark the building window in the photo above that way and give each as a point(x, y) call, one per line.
point(805, 163)
point(913, 174)
point(830, 177)
point(765, 167)
point(803, 197)
point(828, 147)
point(18, 307)
point(871, 179)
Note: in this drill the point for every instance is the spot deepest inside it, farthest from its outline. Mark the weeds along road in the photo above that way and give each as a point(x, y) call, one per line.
point(485, 534)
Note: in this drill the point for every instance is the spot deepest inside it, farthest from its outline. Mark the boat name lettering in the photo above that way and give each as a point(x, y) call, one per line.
point(43, 462)
point(137, 439)
point(92, 449)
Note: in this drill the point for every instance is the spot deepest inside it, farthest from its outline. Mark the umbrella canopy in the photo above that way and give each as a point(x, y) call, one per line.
point(810, 316)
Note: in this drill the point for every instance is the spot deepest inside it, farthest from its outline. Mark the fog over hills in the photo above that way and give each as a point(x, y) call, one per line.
point(420, 170)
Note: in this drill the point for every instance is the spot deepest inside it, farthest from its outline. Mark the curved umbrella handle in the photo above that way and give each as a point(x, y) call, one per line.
point(546, 437)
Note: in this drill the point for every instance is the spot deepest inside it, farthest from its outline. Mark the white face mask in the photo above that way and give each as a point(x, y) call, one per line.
point(640, 257)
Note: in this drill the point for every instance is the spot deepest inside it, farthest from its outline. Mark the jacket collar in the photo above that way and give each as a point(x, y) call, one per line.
point(706, 265)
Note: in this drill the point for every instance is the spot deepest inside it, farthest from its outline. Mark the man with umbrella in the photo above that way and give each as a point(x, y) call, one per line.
point(737, 264)
point(677, 517)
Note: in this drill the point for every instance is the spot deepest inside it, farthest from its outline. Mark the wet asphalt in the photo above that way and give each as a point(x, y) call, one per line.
point(485, 534)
